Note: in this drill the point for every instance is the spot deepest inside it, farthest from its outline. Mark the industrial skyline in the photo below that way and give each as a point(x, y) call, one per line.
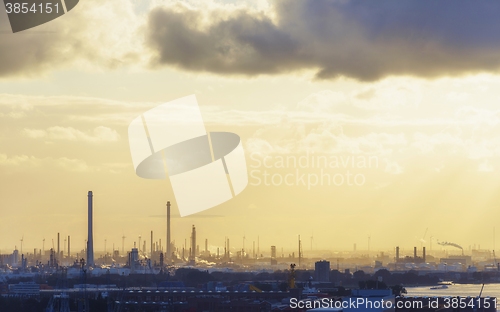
point(214, 244)
point(192, 251)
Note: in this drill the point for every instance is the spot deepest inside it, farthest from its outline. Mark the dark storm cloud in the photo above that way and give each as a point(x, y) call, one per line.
point(27, 55)
point(366, 40)
point(32, 51)
point(234, 45)
point(97, 39)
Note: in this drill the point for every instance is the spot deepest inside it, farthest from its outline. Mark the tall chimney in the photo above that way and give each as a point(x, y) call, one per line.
point(300, 254)
point(415, 253)
point(397, 253)
point(151, 244)
point(90, 239)
point(69, 254)
point(58, 247)
point(193, 243)
point(423, 254)
point(169, 252)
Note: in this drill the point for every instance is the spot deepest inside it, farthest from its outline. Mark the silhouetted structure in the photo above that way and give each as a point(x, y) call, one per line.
point(169, 251)
point(90, 239)
point(192, 254)
point(322, 271)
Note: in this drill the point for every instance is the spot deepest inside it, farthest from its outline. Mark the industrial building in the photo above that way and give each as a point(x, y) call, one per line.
point(322, 271)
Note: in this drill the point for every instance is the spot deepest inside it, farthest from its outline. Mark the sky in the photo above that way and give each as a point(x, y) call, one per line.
point(360, 120)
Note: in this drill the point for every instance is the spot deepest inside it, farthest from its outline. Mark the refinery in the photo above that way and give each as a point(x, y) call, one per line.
point(152, 276)
point(152, 257)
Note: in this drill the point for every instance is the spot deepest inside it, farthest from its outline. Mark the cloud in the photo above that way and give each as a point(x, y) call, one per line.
point(73, 109)
point(365, 40)
point(35, 133)
point(393, 167)
point(323, 101)
point(48, 163)
point(485, 166)
point(93, 34)
point(384, 95)
point(16, 108)
point(99, 134)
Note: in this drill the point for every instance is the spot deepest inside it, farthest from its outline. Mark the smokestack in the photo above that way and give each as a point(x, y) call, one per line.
point(58, 247)
point(169, 252)
point(90, 239)
point(423, 254)
point(69, 245)
point(415, 253)
point(151, 244)
point(299, 251)
point(193, 243)
point(206, 245)
point(397, 254)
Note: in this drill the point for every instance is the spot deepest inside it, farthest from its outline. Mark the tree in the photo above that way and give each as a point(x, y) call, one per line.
point(359, 275)
point(398, 290)
point(384, 274)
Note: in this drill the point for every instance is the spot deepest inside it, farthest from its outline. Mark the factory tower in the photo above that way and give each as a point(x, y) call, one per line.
point(169, 252)
point(90, 239)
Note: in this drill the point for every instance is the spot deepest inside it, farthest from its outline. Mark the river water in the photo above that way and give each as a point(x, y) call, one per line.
point(464, 290)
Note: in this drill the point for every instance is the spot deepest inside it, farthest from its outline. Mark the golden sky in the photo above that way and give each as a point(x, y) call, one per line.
point(416, 94)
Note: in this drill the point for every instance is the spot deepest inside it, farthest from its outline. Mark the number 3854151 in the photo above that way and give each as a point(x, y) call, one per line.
point(25, 8)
